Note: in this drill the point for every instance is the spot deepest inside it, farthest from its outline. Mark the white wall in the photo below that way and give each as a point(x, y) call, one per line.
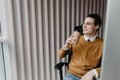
point(111, 57)
point(4, 53)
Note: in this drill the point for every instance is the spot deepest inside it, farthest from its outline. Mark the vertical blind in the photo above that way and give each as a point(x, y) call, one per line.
point(37, 29)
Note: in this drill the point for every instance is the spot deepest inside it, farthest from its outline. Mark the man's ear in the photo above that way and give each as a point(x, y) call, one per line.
point(97, 27)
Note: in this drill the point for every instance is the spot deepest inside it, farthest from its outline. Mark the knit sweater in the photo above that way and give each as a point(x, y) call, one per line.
point(85, 56)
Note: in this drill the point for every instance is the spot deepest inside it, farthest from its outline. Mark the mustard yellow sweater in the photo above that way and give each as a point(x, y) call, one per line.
point(86, 56)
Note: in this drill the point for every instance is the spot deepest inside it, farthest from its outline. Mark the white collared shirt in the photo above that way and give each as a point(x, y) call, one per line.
point(91, 39)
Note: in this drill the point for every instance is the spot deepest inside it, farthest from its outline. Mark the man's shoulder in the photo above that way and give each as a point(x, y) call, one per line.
point(100, 39)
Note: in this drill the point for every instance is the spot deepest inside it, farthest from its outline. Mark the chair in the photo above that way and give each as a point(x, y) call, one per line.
point(60, 65)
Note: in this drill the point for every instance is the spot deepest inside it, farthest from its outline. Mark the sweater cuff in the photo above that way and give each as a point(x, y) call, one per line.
point(95, 72)
point(65, 48)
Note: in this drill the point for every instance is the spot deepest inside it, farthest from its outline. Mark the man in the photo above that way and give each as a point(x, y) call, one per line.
point(86, 51)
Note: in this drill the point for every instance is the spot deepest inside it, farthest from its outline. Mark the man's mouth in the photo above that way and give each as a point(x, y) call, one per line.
point(84, 29)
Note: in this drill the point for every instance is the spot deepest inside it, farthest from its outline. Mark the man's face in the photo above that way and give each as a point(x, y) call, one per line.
point(88, 27)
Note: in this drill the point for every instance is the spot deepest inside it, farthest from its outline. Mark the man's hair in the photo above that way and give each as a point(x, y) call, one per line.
point(97, 19)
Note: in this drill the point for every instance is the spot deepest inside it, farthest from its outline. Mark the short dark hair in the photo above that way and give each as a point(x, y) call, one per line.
point(97, 19)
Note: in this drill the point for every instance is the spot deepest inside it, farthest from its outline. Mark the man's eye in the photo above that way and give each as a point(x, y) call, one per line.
point(88, 23)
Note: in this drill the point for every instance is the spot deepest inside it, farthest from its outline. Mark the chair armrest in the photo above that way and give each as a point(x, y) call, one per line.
point(59, 65)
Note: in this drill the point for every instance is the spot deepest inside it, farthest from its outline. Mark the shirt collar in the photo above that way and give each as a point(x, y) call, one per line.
point(91, 39)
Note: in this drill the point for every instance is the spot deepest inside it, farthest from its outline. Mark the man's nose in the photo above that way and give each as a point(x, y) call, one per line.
point(84, 25)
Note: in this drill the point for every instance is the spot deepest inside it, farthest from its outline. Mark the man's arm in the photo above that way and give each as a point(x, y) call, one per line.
point(67, 46)
point(73, 39)
point(92, 74)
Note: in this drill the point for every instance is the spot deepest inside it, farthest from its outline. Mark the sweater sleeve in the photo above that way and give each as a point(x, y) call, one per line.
point(98, 71)
point(62, 53)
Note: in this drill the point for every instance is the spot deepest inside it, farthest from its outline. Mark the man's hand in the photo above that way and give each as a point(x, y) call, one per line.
point(69, 41)
point(88, 76)
point(73, 39)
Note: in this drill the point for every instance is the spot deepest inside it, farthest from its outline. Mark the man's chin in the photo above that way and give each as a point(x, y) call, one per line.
point(84, 32)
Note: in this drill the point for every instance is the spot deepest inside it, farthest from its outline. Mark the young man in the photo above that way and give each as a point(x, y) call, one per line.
point(86, 51)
